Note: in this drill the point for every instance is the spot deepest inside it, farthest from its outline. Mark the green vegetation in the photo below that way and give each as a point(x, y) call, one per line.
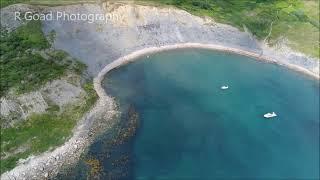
point(5, 3)
point(22, 66)
point(25, 37)
point(28, 72)
point(26, 64)
point(297, 20)
point(41, 132)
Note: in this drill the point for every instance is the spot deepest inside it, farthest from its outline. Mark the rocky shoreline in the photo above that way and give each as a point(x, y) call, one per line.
point(142, 30)
point(48, 164)
point(104, 112)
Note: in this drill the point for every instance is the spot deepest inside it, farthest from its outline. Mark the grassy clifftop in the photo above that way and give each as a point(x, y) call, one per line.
point(27, 64)
point(273, 20)
point(5, 3)
point(22, 65)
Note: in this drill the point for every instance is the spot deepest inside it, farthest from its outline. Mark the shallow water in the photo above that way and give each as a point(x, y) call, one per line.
point(188, 128)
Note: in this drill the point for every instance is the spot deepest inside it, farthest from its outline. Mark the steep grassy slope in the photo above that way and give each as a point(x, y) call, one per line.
point(273, 20)
point(5, 3)
point(42, 131)
point(24, 68)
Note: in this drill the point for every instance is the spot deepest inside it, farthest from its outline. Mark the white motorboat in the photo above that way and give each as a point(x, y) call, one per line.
point(270, 115)
point(224, 87)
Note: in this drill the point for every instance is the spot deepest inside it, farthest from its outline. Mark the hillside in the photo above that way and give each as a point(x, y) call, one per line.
point(49, 65)
point(291, 22)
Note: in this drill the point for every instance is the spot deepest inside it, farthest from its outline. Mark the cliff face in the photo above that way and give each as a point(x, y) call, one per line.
point(133, 27)
point(137, 27)
point(60, 92)
point(130, 28)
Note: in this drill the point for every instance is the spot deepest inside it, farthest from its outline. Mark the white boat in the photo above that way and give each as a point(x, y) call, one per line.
point(224, 87)
point(270, 115)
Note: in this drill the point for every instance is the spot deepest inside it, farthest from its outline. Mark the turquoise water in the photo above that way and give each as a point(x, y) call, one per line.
point(190, 129)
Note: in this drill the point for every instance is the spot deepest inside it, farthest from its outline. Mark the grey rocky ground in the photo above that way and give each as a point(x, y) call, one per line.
point(48, 164)
point(60, 92)
point(133, 28)
point(137, 27)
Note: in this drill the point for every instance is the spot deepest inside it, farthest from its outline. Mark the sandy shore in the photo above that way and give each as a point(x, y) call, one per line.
point(50, 163)
point(135, 55)
point(118, 43)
